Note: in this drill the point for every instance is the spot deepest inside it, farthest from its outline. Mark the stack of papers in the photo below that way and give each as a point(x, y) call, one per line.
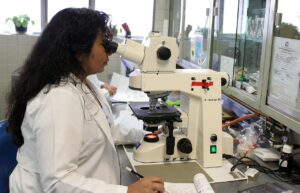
point(200, 184)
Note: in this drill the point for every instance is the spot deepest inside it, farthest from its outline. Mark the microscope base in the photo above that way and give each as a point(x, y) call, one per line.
point(156, 152)
point(149, 152)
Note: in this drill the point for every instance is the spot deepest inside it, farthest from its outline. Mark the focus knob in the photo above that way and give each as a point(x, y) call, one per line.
point(184, 145)
point(163, 53)
point(223, 81)
point(213, 137)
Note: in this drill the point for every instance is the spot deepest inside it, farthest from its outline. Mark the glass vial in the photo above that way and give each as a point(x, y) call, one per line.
point(285, 161)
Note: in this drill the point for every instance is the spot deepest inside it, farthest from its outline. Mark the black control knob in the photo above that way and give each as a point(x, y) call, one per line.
point(170, 144)
point(163, 53)
point(213, 137)
point(223, 81)
point(184, 145)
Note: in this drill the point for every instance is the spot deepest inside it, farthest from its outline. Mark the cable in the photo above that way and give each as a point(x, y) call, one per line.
point(294, 178)
point(245, 117)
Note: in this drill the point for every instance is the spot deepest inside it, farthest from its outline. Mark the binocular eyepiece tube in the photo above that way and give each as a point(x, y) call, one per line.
point(110, 46)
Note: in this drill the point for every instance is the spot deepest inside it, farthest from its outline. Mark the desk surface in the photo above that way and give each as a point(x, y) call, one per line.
point(227, 187)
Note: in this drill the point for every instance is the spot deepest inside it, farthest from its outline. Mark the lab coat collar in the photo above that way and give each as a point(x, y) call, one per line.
point(99, 94)
point(100, 117)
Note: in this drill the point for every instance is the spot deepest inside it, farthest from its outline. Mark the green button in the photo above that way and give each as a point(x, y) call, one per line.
point(213, 149)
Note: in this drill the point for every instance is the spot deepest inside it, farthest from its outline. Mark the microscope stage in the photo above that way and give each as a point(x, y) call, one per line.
point(162, 113)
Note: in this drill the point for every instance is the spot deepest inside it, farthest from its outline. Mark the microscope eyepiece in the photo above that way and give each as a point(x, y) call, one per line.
point(110, 46)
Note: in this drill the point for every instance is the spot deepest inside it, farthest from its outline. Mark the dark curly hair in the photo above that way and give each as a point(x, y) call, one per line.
point(69, 34)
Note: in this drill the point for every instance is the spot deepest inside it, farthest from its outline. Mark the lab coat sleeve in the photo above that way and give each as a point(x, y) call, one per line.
point(128, 129)
point(58, 128)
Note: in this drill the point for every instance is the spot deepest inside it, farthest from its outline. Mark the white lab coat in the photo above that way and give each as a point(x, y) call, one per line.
point(128, 129)
point(68, 146)
point(94, 78)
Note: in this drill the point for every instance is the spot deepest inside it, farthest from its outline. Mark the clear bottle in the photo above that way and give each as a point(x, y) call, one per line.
point(286, 160)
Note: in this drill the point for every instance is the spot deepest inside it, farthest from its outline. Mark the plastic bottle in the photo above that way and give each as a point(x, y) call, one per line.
point(286, 160)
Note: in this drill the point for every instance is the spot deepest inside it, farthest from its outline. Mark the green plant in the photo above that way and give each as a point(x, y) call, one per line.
point(20, 21)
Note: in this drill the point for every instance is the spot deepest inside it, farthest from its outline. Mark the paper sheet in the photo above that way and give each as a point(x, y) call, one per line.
point(223, 174)
point(124, 93)
point(200, 185)
point(227, 65)
point(180, 187)
point(285, 74)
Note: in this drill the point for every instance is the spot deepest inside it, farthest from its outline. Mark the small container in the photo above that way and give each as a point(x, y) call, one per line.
point(286, 160)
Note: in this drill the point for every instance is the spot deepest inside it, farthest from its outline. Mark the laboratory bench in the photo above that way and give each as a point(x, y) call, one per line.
point(228, 187)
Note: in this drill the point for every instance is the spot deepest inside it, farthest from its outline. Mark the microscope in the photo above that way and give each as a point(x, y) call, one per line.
point(192, 131)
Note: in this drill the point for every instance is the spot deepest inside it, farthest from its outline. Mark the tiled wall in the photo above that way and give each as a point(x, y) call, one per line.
point(13, 51)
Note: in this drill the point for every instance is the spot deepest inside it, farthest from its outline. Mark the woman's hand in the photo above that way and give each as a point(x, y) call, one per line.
point(150, 184)
point(110, 88)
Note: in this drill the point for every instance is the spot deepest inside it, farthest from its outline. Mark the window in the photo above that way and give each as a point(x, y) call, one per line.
point(136, 13)
point(20, 7)
point(138, 17)
point(195, 14)
point(56, 5)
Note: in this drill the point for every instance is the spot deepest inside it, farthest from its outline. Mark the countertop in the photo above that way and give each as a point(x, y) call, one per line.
point(225, 187)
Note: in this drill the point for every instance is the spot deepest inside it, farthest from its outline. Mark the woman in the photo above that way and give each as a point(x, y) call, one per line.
point(60, 120)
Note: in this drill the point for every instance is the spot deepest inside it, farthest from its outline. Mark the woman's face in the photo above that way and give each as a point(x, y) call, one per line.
point(97, 59)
